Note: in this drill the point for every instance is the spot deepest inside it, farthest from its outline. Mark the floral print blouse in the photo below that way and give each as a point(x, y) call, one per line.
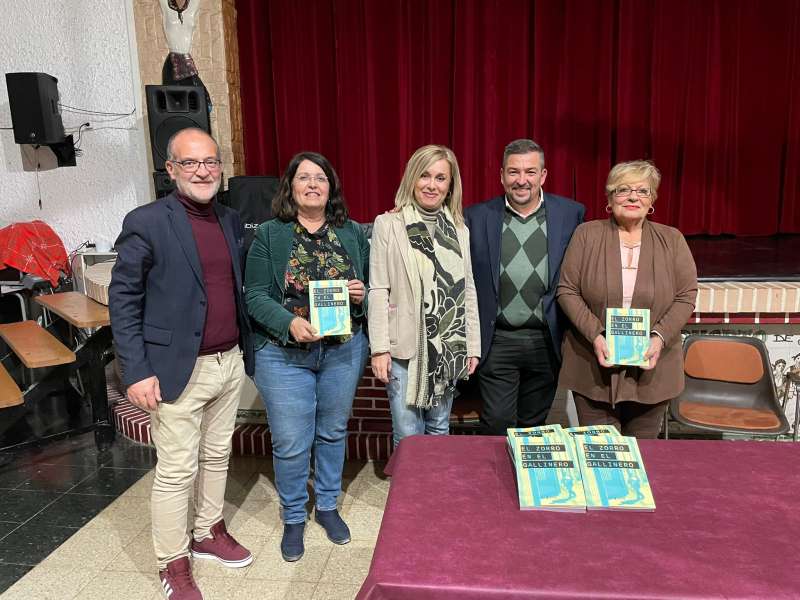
point(315, 256)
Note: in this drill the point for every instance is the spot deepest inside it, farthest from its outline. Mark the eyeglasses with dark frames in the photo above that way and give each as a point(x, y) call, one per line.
point(190, 165)
point(625, 192)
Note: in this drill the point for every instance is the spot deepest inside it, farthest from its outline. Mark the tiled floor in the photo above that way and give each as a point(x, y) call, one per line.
point(47, 495)
point(75, 524)
point(69, 494)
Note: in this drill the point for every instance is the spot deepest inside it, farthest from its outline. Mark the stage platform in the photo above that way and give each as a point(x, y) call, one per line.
point(743, 280)
point(729, 258)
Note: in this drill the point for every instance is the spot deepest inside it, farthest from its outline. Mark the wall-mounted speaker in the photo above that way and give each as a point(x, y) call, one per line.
point(35, 113)
point(171, 108)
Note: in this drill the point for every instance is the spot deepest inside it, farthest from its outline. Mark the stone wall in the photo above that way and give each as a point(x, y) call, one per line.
point(216, 54)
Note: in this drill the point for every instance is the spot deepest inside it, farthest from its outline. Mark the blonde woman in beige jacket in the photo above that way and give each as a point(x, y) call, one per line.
point(424, 331)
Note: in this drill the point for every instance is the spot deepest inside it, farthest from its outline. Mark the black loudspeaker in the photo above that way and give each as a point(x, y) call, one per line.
point(162, 183)
point(171, 108)
point(35, 114)
point(251, 197)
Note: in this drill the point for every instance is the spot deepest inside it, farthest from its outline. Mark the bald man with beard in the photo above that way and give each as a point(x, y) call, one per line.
point(182, 338)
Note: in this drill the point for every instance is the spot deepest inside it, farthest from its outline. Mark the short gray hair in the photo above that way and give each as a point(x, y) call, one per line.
point(171, 142)
point(522, 146)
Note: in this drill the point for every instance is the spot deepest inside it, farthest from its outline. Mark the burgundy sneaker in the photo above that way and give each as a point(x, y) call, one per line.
point(177, 581)
point(222, 547)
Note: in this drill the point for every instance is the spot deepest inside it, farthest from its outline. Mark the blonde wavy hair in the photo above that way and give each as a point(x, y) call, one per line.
point(421, 160)
point(633, 170)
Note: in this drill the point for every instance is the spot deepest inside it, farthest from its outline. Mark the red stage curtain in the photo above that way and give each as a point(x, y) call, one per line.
point(708, 90)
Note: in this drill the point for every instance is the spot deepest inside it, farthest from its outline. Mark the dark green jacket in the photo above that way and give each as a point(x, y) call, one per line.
point(265, 275)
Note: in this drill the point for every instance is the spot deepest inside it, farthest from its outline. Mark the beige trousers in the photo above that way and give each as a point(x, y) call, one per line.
point(192, 436)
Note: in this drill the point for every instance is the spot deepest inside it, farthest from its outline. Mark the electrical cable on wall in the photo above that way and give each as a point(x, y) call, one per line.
point(38, 183)
point(97, 118)
point(87, 111)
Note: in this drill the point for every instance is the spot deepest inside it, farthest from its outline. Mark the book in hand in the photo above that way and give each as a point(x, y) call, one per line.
point(627, 335)
point(329, 302)
point(613, 473)
point(547, 471)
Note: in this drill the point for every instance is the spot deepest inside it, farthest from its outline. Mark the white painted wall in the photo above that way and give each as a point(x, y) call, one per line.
point(89, 47)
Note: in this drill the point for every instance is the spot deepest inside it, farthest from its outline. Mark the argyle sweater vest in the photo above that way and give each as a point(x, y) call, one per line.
point(523, 271)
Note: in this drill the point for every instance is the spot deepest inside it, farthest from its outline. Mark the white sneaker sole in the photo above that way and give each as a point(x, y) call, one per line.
point(231, 564)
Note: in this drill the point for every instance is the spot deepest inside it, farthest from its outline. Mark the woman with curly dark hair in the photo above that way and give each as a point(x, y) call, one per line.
point(307, 382)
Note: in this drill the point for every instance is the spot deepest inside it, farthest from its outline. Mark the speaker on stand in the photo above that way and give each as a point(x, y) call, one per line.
point(171, 108)
point(162, 183)
point(251, 197)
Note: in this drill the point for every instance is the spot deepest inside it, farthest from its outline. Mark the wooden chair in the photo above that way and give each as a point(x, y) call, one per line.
point(729, 387)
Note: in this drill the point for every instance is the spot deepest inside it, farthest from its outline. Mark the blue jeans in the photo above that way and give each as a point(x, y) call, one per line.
point(308, 395)
point(409, 420)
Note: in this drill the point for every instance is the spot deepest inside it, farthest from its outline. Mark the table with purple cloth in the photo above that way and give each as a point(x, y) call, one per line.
point(726, 525)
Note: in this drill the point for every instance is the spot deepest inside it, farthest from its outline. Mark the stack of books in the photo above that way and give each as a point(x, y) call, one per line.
point(578, 468)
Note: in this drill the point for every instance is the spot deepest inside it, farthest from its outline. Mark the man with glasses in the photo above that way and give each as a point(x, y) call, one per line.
point(181, 333)
point(517, 241)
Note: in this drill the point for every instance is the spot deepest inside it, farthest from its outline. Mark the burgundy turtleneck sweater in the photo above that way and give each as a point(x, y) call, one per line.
point(221, 330)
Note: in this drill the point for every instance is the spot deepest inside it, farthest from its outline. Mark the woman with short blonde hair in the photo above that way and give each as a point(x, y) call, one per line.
point(626, 261)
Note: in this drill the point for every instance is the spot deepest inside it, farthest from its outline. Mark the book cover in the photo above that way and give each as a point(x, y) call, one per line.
point(592, 430)
point(613, 473)
point(627, 335)
point(329, 303)
point(539, 431)
point(547, 471)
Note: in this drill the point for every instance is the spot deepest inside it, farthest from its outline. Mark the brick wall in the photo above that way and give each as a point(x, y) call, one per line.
point(370, 426)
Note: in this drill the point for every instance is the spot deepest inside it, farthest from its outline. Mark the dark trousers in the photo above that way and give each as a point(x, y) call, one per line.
point(630, 418)
point(517, 380)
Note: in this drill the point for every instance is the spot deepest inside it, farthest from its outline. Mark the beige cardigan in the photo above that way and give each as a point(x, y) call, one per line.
point(395, 291)
point(591, 281)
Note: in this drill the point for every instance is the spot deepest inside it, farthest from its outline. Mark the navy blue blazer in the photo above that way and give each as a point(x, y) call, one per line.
point(485, 222)
point(157, 298)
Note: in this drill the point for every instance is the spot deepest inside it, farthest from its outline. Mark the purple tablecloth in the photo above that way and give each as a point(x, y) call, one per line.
point(726, 525)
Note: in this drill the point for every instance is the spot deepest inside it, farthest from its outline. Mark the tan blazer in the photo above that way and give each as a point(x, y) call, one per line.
point(395, 291)
point(591, 281)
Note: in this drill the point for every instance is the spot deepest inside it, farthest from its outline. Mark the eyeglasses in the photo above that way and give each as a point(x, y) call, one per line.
point(190, 166)
point(304, 179)
point(625, 192)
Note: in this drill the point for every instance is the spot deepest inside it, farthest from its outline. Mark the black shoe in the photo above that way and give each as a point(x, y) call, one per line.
point(292, 543)
point(333, 525)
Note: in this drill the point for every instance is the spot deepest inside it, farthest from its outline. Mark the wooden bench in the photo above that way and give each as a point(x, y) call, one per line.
point(76, 308)
point(35, 346)
point(10, 394)
point(82, 312)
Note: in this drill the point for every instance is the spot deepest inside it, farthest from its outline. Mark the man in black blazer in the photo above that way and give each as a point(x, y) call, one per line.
point(182, 339)
point(517, 242)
